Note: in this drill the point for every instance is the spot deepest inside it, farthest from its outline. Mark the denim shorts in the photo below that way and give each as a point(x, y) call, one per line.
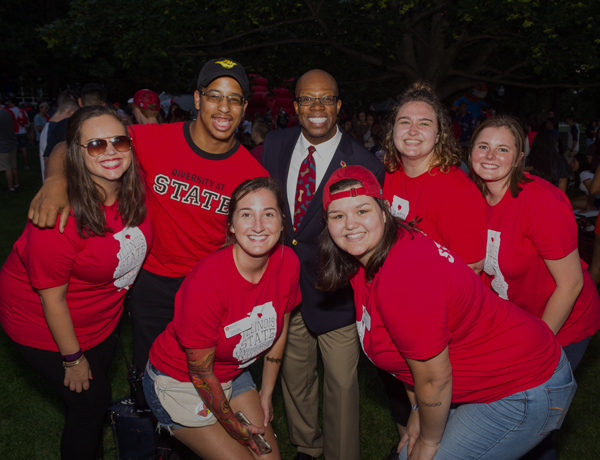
point(240, 384)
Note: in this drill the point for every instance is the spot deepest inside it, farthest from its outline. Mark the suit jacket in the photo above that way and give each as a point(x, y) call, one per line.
point(322, 312)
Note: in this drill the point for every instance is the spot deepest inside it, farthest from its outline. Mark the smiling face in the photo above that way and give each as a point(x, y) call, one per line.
point(494, 156)
point(416, 132)
point(356, 225)
point(257, 224)
point(318, 121)
point(106, 169)
point(214, 128)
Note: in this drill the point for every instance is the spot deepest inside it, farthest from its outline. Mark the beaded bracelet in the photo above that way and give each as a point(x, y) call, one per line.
point(73, 363)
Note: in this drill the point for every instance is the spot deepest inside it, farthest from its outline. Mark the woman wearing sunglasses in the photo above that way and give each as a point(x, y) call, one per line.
point(485, 379)
point(61, 295)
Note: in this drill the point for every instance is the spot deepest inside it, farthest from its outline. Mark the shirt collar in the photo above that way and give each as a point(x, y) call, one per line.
point(324, 150)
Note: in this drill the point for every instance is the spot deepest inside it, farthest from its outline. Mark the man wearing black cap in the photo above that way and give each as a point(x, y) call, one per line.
point(190, 171)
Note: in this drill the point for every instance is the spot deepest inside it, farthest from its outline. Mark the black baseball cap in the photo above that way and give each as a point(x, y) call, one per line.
point(222, 67)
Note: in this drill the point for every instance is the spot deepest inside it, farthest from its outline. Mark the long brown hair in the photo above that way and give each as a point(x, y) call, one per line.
point(446, 152)
point(249, 186)
point(337, 266)
point(516, 177)
point(86, 197)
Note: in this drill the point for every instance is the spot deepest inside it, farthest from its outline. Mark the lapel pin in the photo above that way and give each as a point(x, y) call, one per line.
point(343, 163)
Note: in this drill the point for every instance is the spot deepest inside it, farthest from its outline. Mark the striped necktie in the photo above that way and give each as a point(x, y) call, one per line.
point(305, 188)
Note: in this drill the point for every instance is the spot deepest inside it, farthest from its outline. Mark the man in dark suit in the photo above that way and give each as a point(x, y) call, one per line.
point(302, 159)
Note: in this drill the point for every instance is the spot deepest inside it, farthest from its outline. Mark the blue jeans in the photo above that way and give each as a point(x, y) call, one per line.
point(508, 428)
point(239, 385)
point(545, 450)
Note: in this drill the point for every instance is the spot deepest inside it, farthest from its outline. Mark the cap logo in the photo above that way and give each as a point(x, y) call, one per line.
point(227, 64)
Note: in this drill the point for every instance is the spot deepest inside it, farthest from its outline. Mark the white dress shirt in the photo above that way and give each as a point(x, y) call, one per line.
point(323, 155)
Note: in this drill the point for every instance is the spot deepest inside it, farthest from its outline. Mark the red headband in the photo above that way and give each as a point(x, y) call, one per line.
point(370, 184)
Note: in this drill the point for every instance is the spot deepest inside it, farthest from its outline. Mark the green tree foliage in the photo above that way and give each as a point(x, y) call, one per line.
point(24, 58)
point(369, 46)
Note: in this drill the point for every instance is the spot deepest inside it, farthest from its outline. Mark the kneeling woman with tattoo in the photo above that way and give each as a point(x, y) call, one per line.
point(485, 379)
point(232, 307)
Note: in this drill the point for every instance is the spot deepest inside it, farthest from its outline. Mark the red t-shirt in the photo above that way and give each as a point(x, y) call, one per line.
point(99, 271)
point(424, 298)
point(188, 194)
point(522, 232)
point(449, 205)
point(217, 307)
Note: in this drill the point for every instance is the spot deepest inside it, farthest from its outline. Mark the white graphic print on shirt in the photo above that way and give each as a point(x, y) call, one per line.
point(258, 335)
point(131, 256)
point(361, 326)
point(400, 207)
point(444, 252)
point(491, 265)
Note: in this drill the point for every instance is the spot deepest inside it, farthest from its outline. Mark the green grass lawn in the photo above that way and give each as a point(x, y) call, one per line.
point(31, 416)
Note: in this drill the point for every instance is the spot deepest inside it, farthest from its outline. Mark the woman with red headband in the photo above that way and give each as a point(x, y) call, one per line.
point(450, 346)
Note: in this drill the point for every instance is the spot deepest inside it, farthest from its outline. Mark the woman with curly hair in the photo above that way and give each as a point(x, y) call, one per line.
point(425, 185)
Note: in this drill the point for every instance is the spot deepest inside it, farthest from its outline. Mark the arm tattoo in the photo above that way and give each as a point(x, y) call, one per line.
point(203, 364)
point(274, 360)
point(430, 405)
point(209, 389)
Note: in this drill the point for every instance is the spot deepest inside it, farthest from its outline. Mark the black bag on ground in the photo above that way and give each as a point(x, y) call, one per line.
point(133, 430)
point(131, 419)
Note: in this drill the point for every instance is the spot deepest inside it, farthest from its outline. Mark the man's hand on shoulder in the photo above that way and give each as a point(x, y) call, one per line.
point(52, 199)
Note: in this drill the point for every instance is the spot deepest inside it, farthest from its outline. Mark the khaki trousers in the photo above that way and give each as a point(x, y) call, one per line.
point(340, 437)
